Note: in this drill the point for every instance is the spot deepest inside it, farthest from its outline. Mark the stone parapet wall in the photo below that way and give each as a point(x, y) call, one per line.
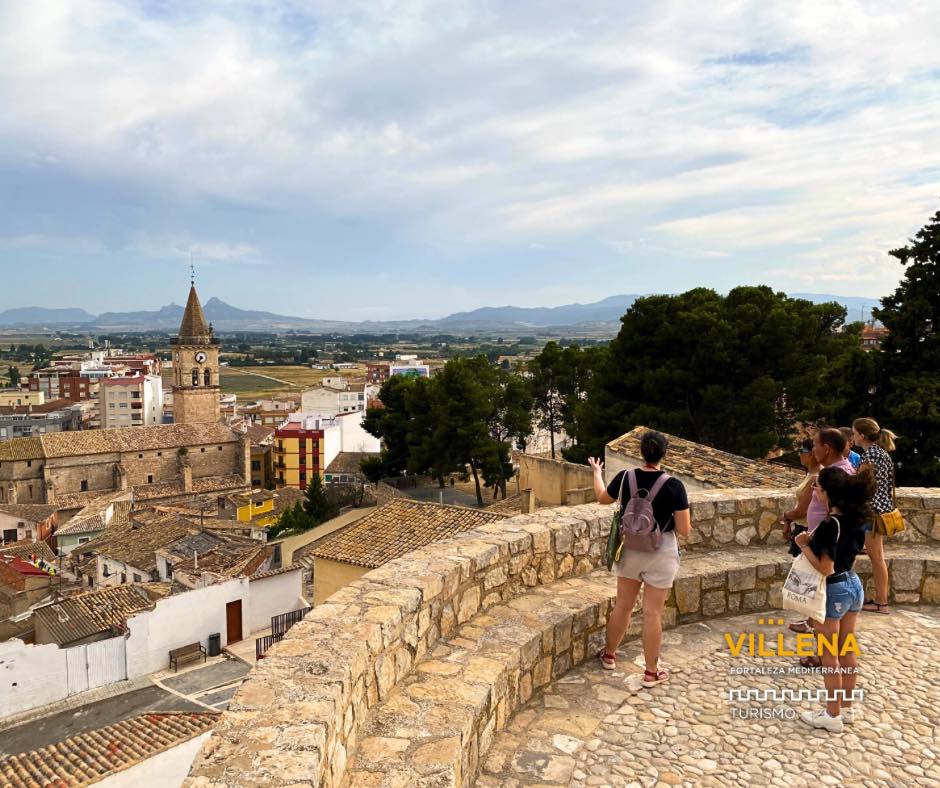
point(299, 714)
point(722, 518)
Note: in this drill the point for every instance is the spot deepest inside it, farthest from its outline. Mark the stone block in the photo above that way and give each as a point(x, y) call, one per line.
point(702, 510)
point(745, 536)
point(742, 579)
point(906, 574)
point(931, 590)
point(724, 530)
point(754, 600)
point(688, 592)
point(714, 580)
point(563, 636)
point(561, 665)
point(734, 602)
point(765, 571)
point(766, 522)
point(542, 672)
point(525, 687)
point(726, 506)
point(564, 541)
point(714, 603)
point(495, 577)
point(669, 616)
point(565, 566)
point(906, 598)
point(469, 604)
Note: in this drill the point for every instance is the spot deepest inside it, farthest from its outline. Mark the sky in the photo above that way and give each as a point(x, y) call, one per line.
point(381, 160)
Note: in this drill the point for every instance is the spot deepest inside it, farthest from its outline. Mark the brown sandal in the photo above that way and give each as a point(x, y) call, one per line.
point(876, 607)
point(810, 662)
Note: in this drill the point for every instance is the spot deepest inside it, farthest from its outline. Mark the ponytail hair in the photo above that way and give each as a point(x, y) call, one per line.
point(870, 429)
point(850, 494)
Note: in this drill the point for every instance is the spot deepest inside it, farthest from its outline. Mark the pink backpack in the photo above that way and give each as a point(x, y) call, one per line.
point(638, 528)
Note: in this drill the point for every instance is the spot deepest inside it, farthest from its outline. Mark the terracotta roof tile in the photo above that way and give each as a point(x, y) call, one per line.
point(137, 543)
point(33, 512)
point(93, 516)
point(90, 757)
point(395, 529)
point(24, 549)
point(89, 614)
point(709, 466)
point(348, 462)
point(21, 449)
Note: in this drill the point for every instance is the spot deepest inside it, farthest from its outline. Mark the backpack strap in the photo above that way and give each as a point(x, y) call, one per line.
point(620, 494)
point(631, 475)
point(657, 486)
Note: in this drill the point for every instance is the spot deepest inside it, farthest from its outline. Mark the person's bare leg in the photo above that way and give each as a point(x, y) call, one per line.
point(848, 661)
point(622, 613)
point(653, 601)
point(830, 662)
point(875, 544)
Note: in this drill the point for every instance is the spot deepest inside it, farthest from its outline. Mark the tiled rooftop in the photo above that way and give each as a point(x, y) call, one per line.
point(710, 466)
point(31, 512)
point(140, 439)
point(91, 613)
point(395, 529)
point(348, 462)
point(90, 757)
point(217, 552)
point(136, 543)
point(25, 549)
point(92, 517)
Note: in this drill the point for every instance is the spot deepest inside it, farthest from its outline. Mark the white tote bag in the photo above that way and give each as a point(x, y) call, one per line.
point(804, 590)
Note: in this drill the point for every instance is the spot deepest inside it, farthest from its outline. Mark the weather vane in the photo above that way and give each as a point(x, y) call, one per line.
point(192, 271)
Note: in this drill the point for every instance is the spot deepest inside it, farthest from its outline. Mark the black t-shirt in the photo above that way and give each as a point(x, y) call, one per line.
point(851, 541)
point(670, 499)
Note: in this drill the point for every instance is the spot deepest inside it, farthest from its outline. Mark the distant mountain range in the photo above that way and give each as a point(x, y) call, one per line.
point(600, 317)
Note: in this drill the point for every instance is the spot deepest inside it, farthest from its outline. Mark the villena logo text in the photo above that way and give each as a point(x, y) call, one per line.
point(760, 644)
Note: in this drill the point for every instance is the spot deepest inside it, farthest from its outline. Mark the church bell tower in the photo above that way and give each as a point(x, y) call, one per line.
point(195, 367)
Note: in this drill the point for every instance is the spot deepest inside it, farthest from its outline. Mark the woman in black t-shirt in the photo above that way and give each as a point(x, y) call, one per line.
point(653, 571)
point(832, 550)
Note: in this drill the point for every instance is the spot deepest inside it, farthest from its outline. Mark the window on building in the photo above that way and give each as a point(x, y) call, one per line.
point(256, 465)
point(150, 478)
point(220, 448)
point(123, 577)
point(106, 571)
point(136, 577)
point(203, 450)
point(159, 453)
point(30, 490)
point(83, 539)
point(29, 463)
point(84, 485)
point(140, 456)
point(207, 377)
point(195, 377)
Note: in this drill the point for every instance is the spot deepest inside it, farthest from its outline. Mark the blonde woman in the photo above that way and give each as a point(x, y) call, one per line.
point(875, 444)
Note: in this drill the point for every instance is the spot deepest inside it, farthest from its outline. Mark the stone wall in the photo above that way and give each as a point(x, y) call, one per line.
point(298, 716)
point(551, 479)
point(722, 518)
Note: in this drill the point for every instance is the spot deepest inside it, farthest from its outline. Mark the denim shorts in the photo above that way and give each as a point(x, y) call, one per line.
point(844, 597)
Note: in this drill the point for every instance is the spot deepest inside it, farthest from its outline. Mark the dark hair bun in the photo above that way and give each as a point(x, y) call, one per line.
point(653, 446)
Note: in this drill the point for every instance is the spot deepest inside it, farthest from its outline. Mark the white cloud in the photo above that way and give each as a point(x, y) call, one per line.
point(720, 130)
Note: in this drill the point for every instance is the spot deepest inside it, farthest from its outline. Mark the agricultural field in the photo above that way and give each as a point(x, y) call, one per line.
point(263, 381)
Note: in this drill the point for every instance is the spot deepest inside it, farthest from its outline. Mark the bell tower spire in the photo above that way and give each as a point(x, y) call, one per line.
point(195, 364)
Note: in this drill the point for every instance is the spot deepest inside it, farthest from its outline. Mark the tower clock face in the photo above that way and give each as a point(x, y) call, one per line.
point(201, 357)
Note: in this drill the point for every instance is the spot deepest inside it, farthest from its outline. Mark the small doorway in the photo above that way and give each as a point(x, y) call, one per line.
point(233, 621)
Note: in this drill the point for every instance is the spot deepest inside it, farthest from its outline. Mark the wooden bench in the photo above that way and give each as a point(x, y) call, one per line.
point(185, 653)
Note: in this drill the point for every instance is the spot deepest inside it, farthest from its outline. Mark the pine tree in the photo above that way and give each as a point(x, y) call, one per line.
point(317, 505)
point(909, 394)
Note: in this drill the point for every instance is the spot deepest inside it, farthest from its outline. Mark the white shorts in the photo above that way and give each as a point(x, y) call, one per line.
point(659, 569)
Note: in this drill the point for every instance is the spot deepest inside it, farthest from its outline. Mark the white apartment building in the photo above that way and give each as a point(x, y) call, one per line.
point(130, 402)
point(333, 401)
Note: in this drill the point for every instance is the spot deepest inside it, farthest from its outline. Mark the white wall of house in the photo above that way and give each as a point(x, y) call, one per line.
point(31, 676)
point(354, 437)
point(24, 528)
point(167, 769)
point(270, 596)
point(180, 620)
point(320, 400)
point(118, 573)
point(332, 444)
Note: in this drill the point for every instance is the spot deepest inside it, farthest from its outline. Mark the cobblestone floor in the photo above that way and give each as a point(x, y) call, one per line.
point(601, 728)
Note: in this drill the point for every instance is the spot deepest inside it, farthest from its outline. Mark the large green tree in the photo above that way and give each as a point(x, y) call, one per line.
point(732, 371)
point(907, 399)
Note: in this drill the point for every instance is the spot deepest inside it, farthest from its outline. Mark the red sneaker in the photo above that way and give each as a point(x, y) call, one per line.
point(606, 659)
